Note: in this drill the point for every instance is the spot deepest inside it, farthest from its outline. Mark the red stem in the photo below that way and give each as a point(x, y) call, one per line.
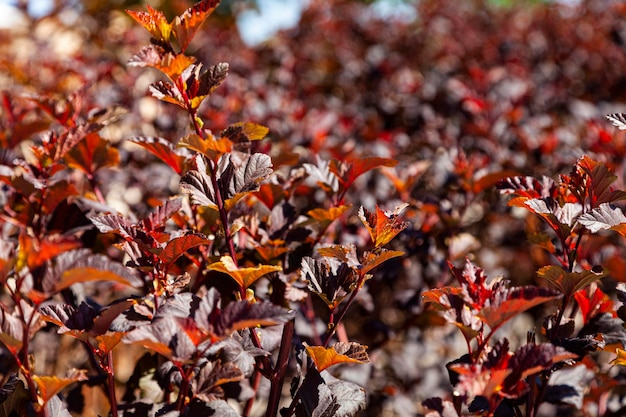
point(278, 376)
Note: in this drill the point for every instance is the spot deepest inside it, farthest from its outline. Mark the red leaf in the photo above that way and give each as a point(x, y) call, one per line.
point(517, 300)
point(163, 150)
point(186, 25)
point(179, 245)
point(347, 172)
point(383, 225)
point(91, 154)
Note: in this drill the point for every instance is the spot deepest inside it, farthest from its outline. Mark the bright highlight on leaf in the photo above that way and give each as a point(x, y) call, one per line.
point(340, 352)
point(383, 225)
point(242, 276)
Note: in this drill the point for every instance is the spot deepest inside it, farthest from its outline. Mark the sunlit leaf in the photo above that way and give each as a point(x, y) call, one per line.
point(569, 282)
point(164, 91)
point(199, 83)
point(439, 296)
point(242, 276)
point(167, 62)
point(604, 217)
point(373, 259)
point(83, 266)
point(163, 150)
point(56, 193)
point(154, 21)
point(383, 225)
point(244, 132)
point(618, 120)
point(210, 146)
point(620, 359)
point(186, 25)
point(179, 245)
point(49, 386)
point(327, 216)
point(527, 187)
point(234, 179)
point(87, 274)
point(598, 182)
point(345, 253)
point(340, 352)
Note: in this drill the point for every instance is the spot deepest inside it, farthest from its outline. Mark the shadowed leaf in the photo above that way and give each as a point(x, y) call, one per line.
point(569, 282)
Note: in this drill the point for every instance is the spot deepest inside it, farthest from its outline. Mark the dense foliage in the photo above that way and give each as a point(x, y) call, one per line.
point(191, 226)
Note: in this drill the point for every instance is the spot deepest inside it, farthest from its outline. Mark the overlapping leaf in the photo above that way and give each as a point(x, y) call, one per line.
point(569, 282)
point(331, 285)
point(234, 179)
point(167, 62)
point(604, 217)
point(199, 83)
point(383, 225)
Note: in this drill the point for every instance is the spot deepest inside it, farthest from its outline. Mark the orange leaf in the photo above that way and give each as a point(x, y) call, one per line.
point(373, 259)
point(340, 352)
point(106, 342)
point(383, 225)
point(87, 274)
point(91, 154)
point(211, 147)
point(620, 359)
point(163, 150)
point(186, 25)
point(49, 386)
point(327, 216)
point(154, 21)
point(243, 276)
point(33, 253)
